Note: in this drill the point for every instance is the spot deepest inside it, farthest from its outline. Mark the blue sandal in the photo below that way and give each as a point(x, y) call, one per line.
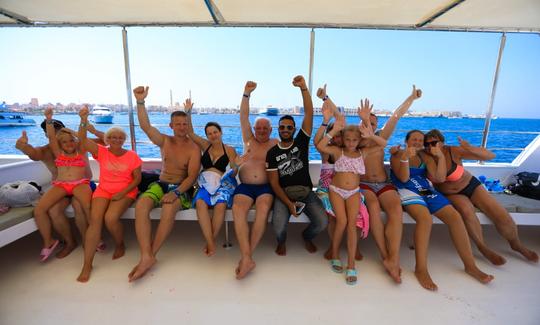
point(336, 266)
point(350, 276)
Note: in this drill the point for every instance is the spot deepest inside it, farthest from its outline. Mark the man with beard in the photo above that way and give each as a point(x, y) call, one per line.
point(288, 174)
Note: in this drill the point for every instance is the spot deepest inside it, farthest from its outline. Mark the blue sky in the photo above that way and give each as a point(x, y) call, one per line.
point(455, 70)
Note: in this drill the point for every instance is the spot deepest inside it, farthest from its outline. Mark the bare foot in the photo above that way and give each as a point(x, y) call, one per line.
point(310, 247)
point(119, 251)
point(244, 268)
point(140, 270)
point(210, 250)
point(358, 256)
point(393, 270)
point(85, 274)
point(479, 275)
point(281, 249)
point(527, 253)
point(66, 250)
point(328, 253)
point(493, 257)
point(425, 280)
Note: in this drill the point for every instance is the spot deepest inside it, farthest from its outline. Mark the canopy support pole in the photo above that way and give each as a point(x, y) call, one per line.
point(493, 92)
point(128, 89)
point(311, 57)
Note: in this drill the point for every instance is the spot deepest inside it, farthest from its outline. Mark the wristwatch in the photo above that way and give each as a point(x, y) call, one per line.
point(177, 192)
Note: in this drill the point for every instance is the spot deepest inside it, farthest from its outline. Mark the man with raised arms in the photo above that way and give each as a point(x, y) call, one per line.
point(380, 193)
point(254, 187)
point(59, 221)
point(287, 165)
point(181, 163)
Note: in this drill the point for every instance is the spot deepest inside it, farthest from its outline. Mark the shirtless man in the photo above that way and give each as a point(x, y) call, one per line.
point(380, 193)
point(59, 221)
point(288, 173)
point(254, 187)
point(181, 163)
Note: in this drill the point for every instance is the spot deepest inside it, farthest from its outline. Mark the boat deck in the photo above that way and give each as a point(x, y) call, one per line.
point(186, 287)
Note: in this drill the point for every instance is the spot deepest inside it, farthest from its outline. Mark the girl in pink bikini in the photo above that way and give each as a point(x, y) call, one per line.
point(329, 109)
point(71, 163)
point(344, 192)
point(120, 173)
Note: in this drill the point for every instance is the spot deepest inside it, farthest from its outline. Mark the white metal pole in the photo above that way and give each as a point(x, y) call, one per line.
point(128, 89)
point(493, 91)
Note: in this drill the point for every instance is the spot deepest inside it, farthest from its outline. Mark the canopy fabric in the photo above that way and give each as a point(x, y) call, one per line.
point(471, 15)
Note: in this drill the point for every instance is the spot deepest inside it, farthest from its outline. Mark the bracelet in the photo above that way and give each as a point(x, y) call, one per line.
point(303, 89)
point(140, 102)
point(83, 124)
point(328, 136)
point(404, 161)
point(324, 124)
point(177, 192)
point(246, 95)
point(325, 98)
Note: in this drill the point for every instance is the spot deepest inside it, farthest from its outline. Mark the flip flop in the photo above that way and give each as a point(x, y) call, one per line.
point(350, 276)
point(336, 266)
point(46, 252)
point(101, 247)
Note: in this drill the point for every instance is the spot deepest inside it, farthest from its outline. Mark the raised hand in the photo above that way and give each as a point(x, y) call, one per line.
point(436, 150)
point(366, 131)
point(327, 112)
point(83, 113)
point(48, 113)
point(364, 111)
point(416, 93)
point(464, 144)
point(299, 81)
point(188, 106)
point(395, 149)
point(410, 152)
point(250, 87)
point(321, 92)
point(23, 140)
point(339, 124)
point(140, 92)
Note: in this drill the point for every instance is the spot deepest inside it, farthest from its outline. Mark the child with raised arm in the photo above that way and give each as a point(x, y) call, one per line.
point(329, 109)
point(71, 162)
point(344, 190)
point(120, 173)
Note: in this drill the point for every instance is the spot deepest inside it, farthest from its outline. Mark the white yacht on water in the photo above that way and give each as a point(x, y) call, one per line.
point(102, 115)
point(188, 288)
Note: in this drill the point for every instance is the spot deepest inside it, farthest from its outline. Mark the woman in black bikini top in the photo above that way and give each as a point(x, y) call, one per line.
point(216, 188)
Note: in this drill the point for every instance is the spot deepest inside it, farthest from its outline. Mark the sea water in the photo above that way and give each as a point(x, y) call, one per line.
point(506, 138)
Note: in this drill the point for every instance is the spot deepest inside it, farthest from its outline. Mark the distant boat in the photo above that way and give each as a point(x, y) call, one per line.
point(102, 115)
point(10, 118)
point(270, 111)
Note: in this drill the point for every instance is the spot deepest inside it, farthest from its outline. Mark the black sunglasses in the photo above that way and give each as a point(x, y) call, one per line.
point(288, 127)
point(431, 143)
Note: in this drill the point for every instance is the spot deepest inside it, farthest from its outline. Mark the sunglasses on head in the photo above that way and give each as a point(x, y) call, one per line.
point(288, 127)
point(431, 143)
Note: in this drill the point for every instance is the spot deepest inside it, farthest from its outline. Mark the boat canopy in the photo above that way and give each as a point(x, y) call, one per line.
point(460, 15)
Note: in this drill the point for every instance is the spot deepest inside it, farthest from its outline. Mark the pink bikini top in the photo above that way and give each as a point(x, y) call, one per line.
point(350, 165)
point(65, 161)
